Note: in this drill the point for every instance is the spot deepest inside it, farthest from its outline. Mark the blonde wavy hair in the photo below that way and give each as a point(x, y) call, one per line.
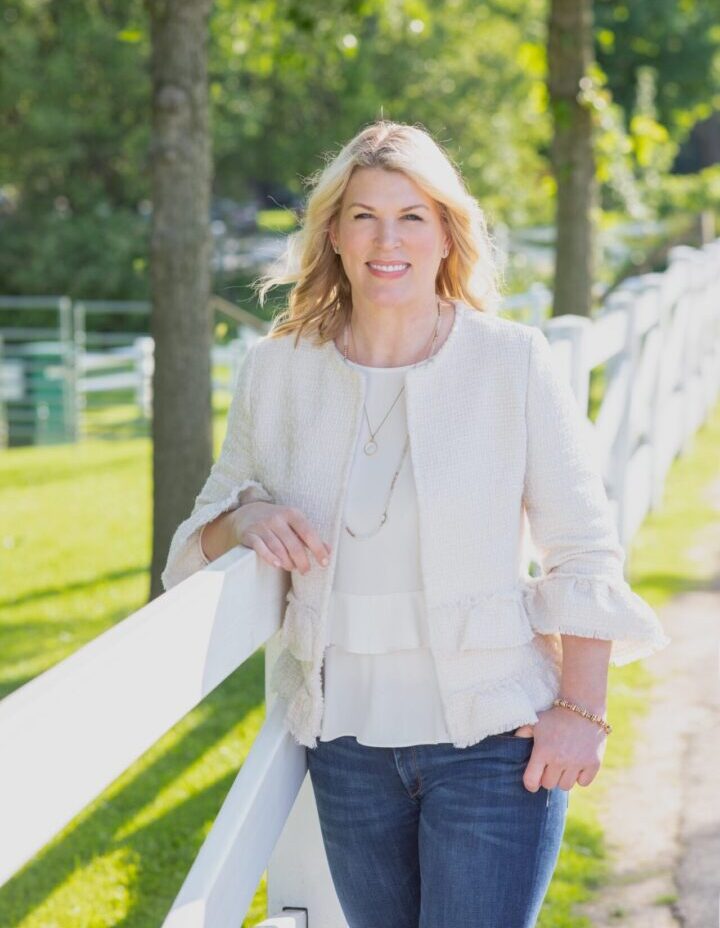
point(320, 301)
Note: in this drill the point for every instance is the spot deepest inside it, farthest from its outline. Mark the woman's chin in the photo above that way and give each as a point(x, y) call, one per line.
point(388, 293)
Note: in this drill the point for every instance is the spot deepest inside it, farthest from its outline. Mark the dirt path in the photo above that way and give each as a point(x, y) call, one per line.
point(661, 815)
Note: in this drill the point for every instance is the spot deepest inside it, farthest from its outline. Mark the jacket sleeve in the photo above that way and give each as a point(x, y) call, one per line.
point(229, 484)
point(582, 590)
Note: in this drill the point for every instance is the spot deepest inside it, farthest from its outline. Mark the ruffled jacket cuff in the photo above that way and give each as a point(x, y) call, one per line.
point(595, 607)
point(582, 589)
point(186, 555)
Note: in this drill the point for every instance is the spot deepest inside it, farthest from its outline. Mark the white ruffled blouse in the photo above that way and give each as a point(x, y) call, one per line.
point(379, 678)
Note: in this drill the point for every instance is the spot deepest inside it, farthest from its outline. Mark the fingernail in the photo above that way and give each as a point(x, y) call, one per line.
point(277, 563)
point(324, 561)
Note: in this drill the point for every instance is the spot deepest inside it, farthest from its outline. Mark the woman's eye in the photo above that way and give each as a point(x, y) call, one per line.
point(360, 215)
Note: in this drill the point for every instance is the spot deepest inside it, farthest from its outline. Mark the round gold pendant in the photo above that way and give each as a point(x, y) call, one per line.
point(370, 447)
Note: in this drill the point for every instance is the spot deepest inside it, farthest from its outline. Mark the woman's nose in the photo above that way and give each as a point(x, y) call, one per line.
point(387, 234)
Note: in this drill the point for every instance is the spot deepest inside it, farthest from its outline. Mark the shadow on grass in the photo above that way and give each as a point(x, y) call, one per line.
point(166, 844)
point(76, 586)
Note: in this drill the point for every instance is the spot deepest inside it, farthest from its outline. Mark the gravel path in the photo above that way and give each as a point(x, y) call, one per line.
point(661, 815)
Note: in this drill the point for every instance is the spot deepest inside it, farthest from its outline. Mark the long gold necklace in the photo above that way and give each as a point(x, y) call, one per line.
point(371, 446)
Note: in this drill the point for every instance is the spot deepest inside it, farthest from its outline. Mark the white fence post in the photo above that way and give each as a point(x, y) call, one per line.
point(144, 367)
point(685, 256)
point(69, 366)
point(624, 368)
point(668, 424)
point(80, 340)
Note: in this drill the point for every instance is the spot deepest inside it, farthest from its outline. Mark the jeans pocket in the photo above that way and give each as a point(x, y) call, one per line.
point(512, 734)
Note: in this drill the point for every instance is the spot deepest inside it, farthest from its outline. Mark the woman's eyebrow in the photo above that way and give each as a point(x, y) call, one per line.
point(403, 210)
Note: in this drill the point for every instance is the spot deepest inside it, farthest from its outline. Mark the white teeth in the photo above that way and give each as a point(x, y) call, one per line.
point(389, 267)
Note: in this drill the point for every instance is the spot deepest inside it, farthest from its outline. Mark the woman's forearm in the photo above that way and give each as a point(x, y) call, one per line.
point(584, 677)
point(221, 534)
point(218, 536)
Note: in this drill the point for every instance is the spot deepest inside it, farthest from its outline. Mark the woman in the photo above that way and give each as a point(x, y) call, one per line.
point(386, 443)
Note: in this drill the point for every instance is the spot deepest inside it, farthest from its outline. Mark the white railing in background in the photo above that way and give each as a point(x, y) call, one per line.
point(131, 367)
point(658, 338)
point(659, 342)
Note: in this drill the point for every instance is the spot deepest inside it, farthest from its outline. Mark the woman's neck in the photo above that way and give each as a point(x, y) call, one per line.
point(394, 340)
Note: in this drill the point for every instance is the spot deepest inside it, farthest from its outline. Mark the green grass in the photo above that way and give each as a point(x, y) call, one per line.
point(75, 535)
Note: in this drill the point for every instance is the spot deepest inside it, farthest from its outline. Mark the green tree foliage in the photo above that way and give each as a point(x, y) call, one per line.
point(659, 73)
point(74, 118)
point(472, 73)
point(678, 40)
point(290, 81)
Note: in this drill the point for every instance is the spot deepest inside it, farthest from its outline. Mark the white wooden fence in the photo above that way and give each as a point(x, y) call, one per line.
point(66, 735)
point(131, 367)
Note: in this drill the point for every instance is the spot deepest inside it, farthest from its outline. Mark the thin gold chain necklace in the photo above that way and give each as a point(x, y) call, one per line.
point(373, 443)
point(371, 446)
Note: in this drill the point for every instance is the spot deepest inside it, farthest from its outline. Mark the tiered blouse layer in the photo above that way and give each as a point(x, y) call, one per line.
point(379, 677)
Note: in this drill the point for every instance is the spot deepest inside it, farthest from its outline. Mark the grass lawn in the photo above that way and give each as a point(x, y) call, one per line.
point(75, 535)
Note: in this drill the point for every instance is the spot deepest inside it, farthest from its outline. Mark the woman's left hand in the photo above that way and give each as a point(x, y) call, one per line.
point(567, 749)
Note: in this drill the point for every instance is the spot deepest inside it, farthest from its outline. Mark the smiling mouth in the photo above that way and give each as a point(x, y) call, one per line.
point(388, 268)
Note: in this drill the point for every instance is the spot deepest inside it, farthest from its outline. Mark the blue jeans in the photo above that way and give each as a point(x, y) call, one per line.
point(434, 836)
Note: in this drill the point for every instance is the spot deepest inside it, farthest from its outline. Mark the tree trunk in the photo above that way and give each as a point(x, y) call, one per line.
point(180, 250)
point(570, 52)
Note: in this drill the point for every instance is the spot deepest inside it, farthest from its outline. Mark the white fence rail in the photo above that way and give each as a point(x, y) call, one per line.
point(658, 342)
point(131, 368)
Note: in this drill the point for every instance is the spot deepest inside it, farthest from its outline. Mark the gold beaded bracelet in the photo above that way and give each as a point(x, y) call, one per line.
point(584, 712)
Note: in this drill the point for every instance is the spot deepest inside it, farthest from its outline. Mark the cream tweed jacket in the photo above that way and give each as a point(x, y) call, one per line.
point(499, 447)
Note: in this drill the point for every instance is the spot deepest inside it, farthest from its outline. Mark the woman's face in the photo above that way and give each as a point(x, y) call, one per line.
point(391, 238)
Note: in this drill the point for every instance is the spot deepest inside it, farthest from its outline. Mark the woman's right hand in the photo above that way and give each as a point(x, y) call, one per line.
point(281, 535)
